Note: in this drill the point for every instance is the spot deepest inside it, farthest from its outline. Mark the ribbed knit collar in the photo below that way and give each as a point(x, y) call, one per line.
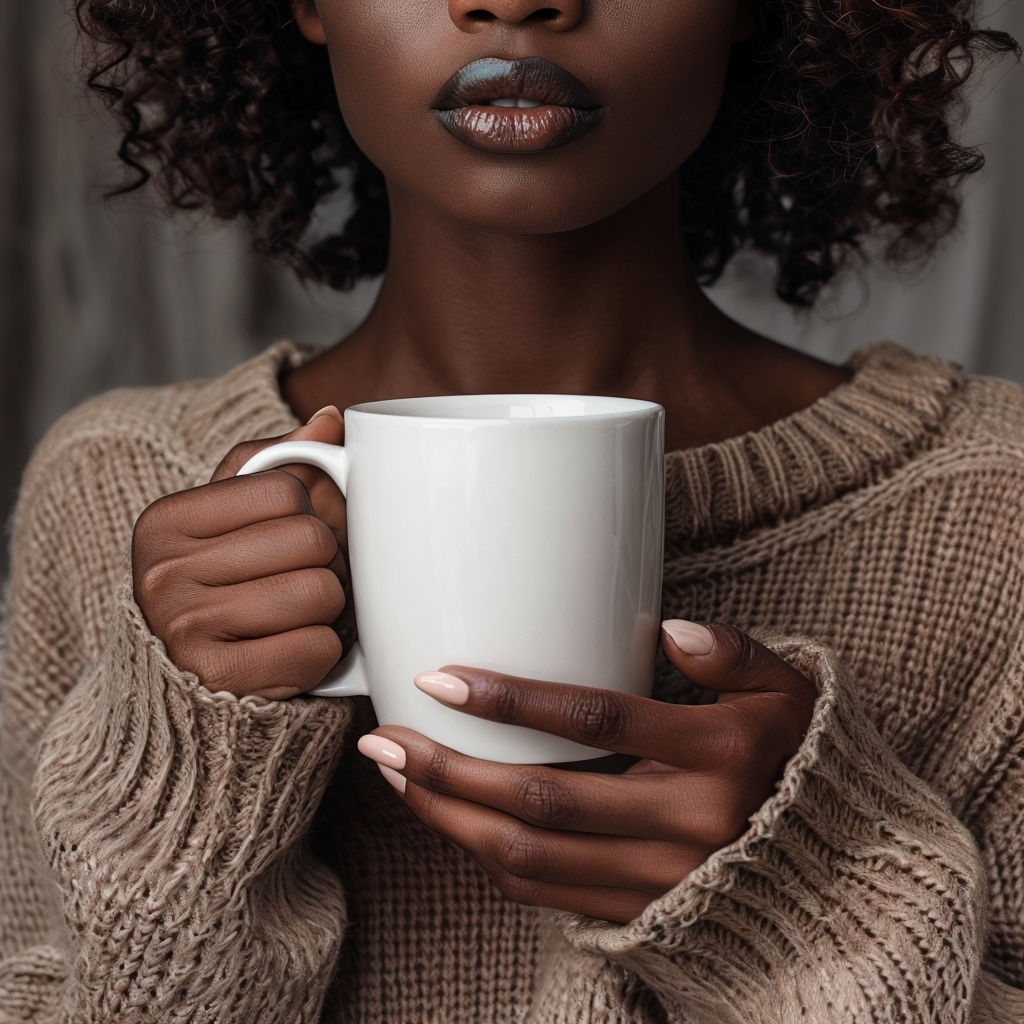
point(887, 412)
point(891, 409)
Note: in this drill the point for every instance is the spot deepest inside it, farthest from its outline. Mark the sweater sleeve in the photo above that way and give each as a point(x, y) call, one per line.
point(854, 895)
point(156, 862)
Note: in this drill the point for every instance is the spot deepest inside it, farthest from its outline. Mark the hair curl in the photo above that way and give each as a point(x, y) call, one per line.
point(835, 124)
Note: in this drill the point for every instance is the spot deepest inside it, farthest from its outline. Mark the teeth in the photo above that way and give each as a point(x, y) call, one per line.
point(519, 103)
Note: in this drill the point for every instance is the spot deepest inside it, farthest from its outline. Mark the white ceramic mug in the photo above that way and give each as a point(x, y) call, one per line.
point(518, 533)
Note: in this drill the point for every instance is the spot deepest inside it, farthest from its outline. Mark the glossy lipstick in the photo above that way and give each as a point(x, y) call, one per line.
point(516, 106)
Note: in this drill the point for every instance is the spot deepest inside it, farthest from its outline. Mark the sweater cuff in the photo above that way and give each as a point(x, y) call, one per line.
point(174, 820)
point(852, 891)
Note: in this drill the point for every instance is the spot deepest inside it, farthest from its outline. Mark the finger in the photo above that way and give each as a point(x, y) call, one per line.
point(647, 802)
point(724, 658)
point(222, 508)
point(763, 729)
point(520, 855)
point(772, 700)
point(273, 666)
point(267, 548)
point(622, 723)
point(327, 425)
point(261, 607)
point(523, 859)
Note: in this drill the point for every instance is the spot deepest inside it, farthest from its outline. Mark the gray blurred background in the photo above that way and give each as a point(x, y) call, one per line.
point(96, 295)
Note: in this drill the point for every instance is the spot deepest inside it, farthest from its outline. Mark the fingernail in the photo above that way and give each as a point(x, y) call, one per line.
point(446, 688)
point(327, 410)
point(383, 751)
point(689, 637)
point(396, 780)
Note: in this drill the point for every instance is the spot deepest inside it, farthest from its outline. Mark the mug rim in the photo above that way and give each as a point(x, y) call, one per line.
point(418, 408)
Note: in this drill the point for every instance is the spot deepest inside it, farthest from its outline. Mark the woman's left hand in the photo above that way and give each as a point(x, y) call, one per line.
point(606, 845)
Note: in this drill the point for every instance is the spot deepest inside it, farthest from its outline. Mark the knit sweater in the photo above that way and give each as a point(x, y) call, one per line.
point(170, 854)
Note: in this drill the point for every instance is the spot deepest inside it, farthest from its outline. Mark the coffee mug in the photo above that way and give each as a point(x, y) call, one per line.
point(518, 533)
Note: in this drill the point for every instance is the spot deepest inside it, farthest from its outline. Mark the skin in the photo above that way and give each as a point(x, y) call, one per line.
point(598, 844)
point(555, 272)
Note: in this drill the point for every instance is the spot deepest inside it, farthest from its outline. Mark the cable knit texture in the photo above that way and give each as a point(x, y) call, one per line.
point(172, 855)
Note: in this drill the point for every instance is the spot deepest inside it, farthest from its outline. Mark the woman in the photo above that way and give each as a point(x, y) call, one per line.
point(836, 837)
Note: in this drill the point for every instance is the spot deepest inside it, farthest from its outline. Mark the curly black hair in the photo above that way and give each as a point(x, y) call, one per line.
point(835, 125)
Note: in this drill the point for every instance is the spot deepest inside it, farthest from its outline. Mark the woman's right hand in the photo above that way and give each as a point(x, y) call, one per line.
point(243, 578)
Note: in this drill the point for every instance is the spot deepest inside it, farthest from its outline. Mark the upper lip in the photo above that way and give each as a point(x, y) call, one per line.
point(531, 78)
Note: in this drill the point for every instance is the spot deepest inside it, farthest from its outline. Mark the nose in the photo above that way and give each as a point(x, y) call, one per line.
point(556, 15)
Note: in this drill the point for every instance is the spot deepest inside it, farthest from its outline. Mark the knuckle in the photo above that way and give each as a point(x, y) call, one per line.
point(299, 662)
point(154, 523)
point(437, 769)
point(520, 852)
point(337, 600)
point(519, 890)
point(286, 493)
point(506, 704)
point(736, 747)
point(223, 672)
point(748, 748)
point(324, 650)
point(764, 752)
point(158, 578)
point(187, 625)
point(726, 823)
point(332, 593)
point(239, 455)
point(318, 589)
point(425, 805)
point(542, 800)
point(314, 538)
point(598, 718)
point(192, 509)
point(209, 662)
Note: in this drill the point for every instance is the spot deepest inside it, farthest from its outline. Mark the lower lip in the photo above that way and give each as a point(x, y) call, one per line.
point(515, 130)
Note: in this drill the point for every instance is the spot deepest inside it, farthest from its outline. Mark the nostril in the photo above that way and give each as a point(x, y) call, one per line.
point(544, 14)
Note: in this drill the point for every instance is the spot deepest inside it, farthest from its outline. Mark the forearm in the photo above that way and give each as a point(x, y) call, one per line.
point(853, 895)
point(174, 823)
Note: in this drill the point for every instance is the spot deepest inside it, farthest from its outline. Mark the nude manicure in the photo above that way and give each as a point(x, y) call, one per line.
point(393, 777)
point(446, 688)
point(689, 637)
point(383, 751)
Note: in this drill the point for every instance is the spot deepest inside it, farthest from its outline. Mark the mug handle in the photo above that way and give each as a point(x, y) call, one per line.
point(348, 679)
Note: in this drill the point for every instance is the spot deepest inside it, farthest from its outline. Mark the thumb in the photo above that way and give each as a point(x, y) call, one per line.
point(327, 426)
point(724, 658)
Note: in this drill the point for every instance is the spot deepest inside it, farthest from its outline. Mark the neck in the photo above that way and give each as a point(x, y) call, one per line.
point(589, 310)
point(612, 308)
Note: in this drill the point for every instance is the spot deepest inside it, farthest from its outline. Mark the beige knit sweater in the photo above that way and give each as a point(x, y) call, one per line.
point(172, 855)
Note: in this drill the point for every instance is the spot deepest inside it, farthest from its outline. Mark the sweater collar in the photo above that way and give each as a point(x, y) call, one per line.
point(244, 405)
point(887, 412)
point(891, 409)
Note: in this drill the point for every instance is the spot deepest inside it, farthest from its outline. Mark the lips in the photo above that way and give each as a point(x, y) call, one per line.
point(518, 106)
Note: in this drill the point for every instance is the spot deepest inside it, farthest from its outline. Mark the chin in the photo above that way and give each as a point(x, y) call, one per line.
point(525, 219)
point(508, 206)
